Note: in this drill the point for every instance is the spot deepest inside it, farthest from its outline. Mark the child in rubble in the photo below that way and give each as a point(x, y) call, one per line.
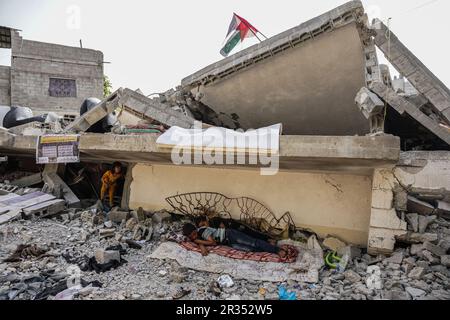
point(110, 181)
point(206, 236)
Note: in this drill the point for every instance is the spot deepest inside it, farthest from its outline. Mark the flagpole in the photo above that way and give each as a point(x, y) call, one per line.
point(263, 35)
point(251, 29)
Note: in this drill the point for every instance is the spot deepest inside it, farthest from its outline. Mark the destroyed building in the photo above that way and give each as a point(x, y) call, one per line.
point(360, 151)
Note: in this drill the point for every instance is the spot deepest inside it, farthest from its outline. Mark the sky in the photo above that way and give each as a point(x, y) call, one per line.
point(152, 45)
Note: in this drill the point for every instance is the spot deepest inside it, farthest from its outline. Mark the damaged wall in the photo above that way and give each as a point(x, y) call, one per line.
point(335, 204)
point(304, 88)
point(5, 77)
point(425, 176)
point(35, 63)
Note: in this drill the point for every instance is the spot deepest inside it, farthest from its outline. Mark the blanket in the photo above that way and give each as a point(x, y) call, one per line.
point(304, 269)
point(229, 252)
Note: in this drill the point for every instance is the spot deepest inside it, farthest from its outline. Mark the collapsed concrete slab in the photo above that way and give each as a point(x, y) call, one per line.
point(305, 77)
point(54, 181)
point(413, 69)
point(139, 104)
point(403, 106)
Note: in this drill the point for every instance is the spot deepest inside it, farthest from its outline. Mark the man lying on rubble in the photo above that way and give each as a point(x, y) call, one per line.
point(110, 181)
point(206, 236)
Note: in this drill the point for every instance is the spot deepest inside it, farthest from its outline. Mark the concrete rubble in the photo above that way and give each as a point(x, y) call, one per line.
point(379, 230)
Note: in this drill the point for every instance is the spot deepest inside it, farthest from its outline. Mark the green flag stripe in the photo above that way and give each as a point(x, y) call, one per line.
point(231, 44)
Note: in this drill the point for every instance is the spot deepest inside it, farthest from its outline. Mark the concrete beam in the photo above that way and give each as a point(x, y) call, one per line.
point(152, 108)
point(54, 181)
point(413, 69)
point(311, 153)
point(401, 105)
point(87, 120)
point(135, 101)
point(126, 187)
point(28, 180)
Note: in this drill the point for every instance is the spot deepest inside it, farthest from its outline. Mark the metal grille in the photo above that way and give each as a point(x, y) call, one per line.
point(252, 213)
point(62, 88)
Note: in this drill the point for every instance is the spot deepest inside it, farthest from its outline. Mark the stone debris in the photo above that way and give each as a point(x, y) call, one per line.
point(54, 246)
point(333, 244)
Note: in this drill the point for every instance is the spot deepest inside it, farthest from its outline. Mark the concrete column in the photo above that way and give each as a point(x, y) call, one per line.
point(385, 225)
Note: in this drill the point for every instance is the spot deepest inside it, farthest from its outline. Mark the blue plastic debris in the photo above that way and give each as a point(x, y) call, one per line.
point(286, 295)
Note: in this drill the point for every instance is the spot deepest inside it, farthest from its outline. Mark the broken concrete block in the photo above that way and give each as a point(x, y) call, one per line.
point(416, 273)
point(382, 241)
point(444, 244)
point(436, 250)
point(107, 233)
point(430, 257)
point(414, 292)
point(386, 219)
point(413, 221)
point(396, 258)
point(139, 214)
point(369, 103)
point(415, 249)
point(411, 237)
point(352, 276)
point(118, 216)
point(130, 224)
point(333, 244)
point(102, 256)
point(445, 260)
point(161, 216)
point(400, 199)
point(443, 208)
point(420, 207)
point(424, 222)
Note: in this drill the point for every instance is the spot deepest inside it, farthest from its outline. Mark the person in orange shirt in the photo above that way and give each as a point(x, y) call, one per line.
point(109, 182)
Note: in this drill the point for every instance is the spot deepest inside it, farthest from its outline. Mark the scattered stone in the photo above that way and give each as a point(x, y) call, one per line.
point(160, 216)
point(412, 238)
point(162, 273)
point(374, 281)
point(118, 216)
point(417, 273)
point(436, 250)
point(352, 276)
point(131, 223)
point(139, 214)
point(333, 244)
point(445, 260)
point(108, 224)
point(107, 233)
point(397, 295)
point(413, 221)
point(424, 222)
point(414, 292)
point(177, 277)
point(415, 249)
point(396, 258)
point(430, 257)
point(102, 256)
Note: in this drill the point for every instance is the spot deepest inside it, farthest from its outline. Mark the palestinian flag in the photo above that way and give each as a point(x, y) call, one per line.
point(238, 30)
